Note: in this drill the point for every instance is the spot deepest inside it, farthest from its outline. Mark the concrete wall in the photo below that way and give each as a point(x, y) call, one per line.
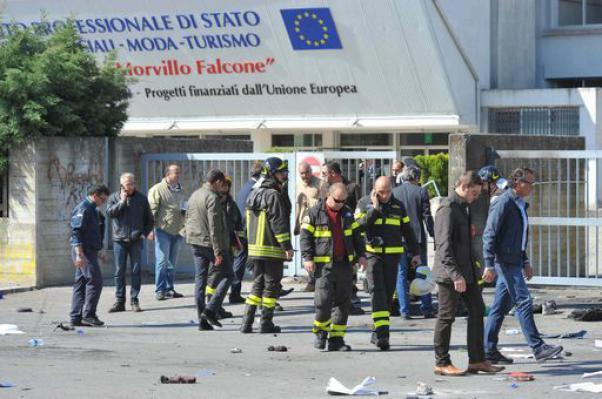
point(49, 177)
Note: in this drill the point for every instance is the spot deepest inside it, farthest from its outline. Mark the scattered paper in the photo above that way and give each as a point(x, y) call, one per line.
point(520, 355)
point(583, 387)
point(510, 349)
point(598, 343)
point(512, 332)
point(596, 374)
point(335, 387)
point(7, 329)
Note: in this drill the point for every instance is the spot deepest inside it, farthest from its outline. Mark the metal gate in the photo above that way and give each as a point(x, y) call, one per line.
point(564, 214)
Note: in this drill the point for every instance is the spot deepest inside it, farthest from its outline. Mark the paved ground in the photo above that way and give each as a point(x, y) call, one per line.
point(126, 359)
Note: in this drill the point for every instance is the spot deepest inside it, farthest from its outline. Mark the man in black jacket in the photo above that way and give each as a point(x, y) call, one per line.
point(457, 276)
point(132, 221)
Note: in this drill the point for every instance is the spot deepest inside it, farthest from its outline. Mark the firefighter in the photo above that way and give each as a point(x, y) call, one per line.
point(384, 221)
point(268, 229)
point(331, 242)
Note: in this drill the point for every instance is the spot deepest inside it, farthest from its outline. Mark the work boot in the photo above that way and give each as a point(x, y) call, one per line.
point(284, 292)
point(247, 320)
point(395, 312)
point(224, 314)
point(483, 367)
point(449, 370)
point(337, 344)
point(211, 317)
point(267, 326)
point(205, 326)
point(234, 299)
point(320, 341)
point(278, 307)
point(382, 338)
point(92, 322)
point(136, 306)
point(117, 307)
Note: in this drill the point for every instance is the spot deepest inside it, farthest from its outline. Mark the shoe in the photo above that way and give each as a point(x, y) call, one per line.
point(160, 296)
point(320, 341)
point(211, 317)
point(284, 293)
point(76, 323)
point(233, 299)
point(279, 308)
point(246, 328)
point(247, 319)
point(547, 352)
point(136, 306)
point(383, 343)
point(309, 288)
point(117, 307)
point(205, 326)
point(498, 358)
point(224, 314)
point(92, 322)
point(173, 294)
point(450, 371)
point(337, 344)
point(484, 367)
point(356, 311)
point(269, 329)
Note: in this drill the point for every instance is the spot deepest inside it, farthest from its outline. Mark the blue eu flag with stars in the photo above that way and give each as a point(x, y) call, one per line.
point(311, 29)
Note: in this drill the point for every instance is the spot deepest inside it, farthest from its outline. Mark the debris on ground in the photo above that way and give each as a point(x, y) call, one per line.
point(598, 343)
point(567, 353)
point(63, 327)
point(512, 331)
point(24, 310)
point(424, 389)
point(549, 307)
point(35, 342)
point(514, 385)
point(205, 373)
point(7, 329)
point(520, 376)
point(335, 387)
point(179, 379)
point(582, 387)
point(235, 350)
point(591, 314)
point(278, 348)
point(6, 384)
point(595, 374)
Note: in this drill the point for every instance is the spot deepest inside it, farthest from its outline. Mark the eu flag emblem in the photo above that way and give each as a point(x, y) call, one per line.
point(311, 29)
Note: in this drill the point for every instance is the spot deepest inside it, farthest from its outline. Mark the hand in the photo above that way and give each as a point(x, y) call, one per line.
point(102, 256)
point(80, 261)
point(218, 260)
point(374, 199)
point(460, 285)
point(489, 275)
point(310, 266)
point(289, 254)
point(123, 195)
point(528, 272)
point(416, 260)
point(363, 262)
point(151, 236)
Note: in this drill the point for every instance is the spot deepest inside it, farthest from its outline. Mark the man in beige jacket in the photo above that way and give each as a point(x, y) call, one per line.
point(167, 201)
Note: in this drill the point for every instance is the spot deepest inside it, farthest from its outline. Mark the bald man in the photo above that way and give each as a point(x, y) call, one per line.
point(386, 224)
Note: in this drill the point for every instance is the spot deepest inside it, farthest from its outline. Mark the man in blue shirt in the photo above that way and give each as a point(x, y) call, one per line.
point(87, 229)
point(505, 254)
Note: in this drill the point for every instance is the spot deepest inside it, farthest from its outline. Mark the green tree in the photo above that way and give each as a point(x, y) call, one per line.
point(52, 86)
point(434, 167)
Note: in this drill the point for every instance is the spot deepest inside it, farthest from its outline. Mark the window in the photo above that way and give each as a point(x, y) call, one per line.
point(423, 139)
point(240, 137)
point(297, 140)
point(543, 121)
point(579, 12)
point(283, 140)
point(371, 139)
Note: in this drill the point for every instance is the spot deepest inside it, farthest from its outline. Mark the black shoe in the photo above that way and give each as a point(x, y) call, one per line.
point(205, 326)
point(173, 294)
point(117, 307)
point(309, 288)
point(160, 296)
point(246, 328)
point(279, 308)
point(320, 340)
point(92, 322)
point(75, 323)
point(498, 358)
point(136, 306)
point(284, 293)
point(224, 314)
point(356, 311)
point(211, 317)
point(547, 352)
point(269, 329)
point(383, 343)
point(236, 299)
point(337, 344)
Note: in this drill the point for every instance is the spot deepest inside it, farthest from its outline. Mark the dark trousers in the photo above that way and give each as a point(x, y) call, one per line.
point(87, 288)
point(221, 278)
point(382, 278)
point(240, 265)
point(267, 275)
point(123, 250)
point(448, 299)
point(333, 292)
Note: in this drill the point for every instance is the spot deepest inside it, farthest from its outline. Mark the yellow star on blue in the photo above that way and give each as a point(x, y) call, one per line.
point(311, 29)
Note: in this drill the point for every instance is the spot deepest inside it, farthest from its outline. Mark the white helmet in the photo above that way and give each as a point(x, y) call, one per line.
point(423, 283)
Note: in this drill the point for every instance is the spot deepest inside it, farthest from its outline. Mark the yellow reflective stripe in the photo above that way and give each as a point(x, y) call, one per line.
point(386, 250)
point(339, 327)
point(478, 264)
point(406, 219)
point(333, 334)
point(394, 250)
point(308, 227)
point(269, 302)
point(348, 232)
point(350, 258)
point(322, 259)
point(355, 225)
point(359, 215)
point(249, 221)
point(209, 290)
point(253, 300)
point(389, 221)
point(380, 314)
point(262, 224)
point(283, 237)
point(322, 323)
point(322, 233)
point(381, 323)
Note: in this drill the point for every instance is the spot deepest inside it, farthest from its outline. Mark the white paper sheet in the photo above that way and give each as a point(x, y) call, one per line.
point(582, 387)
point(335, 387)
point(8, 329)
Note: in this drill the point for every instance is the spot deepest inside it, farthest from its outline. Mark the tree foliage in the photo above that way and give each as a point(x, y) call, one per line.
point(434, 167)
point(52, 86)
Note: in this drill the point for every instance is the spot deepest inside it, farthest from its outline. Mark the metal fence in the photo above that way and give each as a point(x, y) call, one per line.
point(564, 215)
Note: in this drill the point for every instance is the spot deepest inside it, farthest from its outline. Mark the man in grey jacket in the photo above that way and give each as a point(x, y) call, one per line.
point(132, 221)
point(207, 232)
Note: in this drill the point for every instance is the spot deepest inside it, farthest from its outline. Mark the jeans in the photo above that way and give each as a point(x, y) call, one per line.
point(510, 290)
point(240, 265)
point(87, 288)
point(121, 251)
point(203, 258)
point(167, 247)
point(402, 288)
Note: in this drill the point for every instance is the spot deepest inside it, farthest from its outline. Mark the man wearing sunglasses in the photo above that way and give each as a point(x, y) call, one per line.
point(331, 242)
point(505, 252)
